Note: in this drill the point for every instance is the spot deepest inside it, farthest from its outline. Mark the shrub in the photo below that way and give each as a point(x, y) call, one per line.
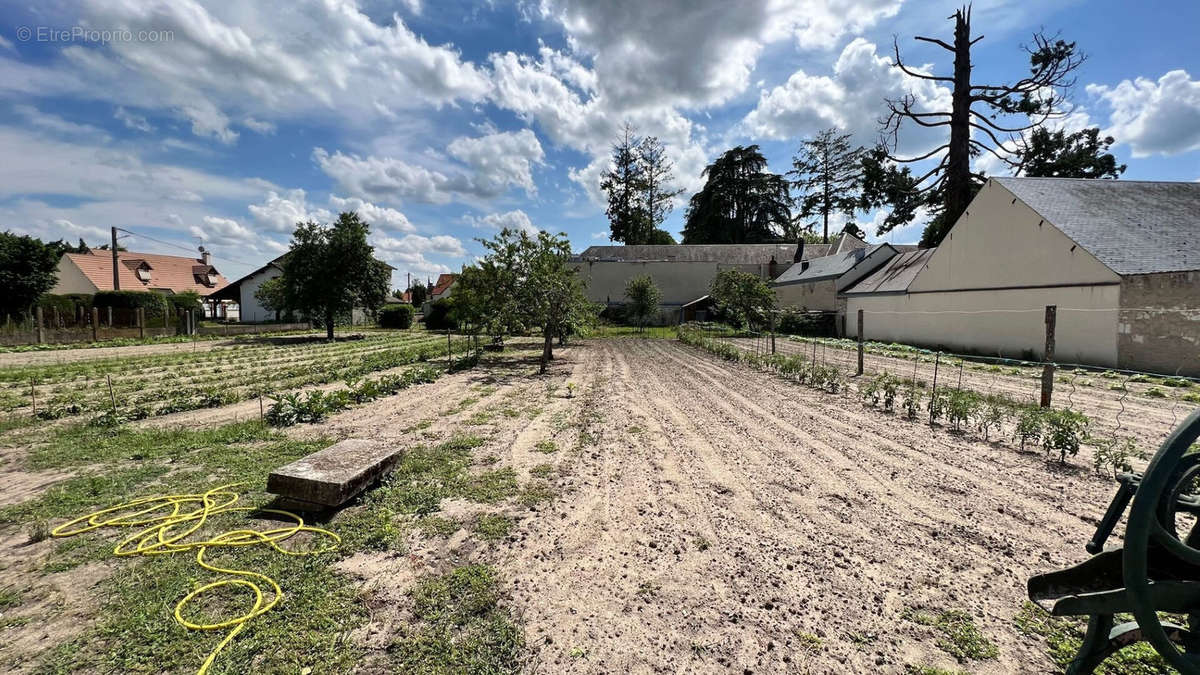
point(937, 406)
point(155, 304)
point(440, 316)
point(991, 414)
point(961, 406)
point(186, 301)
point(396, 316)
point(1031, 424)
point(913, 397)
point(66, 304)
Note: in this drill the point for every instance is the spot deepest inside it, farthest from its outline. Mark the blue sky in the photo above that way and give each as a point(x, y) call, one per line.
point(440, 122)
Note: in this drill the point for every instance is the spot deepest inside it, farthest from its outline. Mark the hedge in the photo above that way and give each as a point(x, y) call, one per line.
point(396, 316)
point(66, 304)
point(155, 304)
point(439, 316)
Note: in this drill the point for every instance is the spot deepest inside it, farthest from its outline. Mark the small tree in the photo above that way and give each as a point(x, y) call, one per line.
point(271, 295)
point(417, 294)
point(28, 268)
point(743, 297)
point(644, 298)
point(331, 270)
point(623, 182)
point(1057, 154)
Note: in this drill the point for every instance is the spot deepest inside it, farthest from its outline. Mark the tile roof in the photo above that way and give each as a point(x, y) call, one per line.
point(827, 267)
point(171, 272)
point(443, 282)
point(895, 275)
point(1133, 227)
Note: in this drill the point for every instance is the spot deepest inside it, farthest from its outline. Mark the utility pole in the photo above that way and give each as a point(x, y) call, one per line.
point(116, 277)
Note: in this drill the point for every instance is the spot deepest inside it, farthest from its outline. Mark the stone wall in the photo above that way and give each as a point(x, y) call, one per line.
point(1158, 327)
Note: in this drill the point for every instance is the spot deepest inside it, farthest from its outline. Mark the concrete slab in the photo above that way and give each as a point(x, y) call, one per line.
point(334, 475)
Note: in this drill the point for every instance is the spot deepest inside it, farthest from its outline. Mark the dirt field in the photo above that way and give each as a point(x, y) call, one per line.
point(706, 517)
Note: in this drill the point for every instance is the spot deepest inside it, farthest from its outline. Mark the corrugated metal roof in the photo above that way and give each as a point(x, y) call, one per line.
point(1133, 227)
point(895, 275)
point(171, 272)
point(827, 267)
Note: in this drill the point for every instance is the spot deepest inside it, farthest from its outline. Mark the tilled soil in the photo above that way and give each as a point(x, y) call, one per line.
point(719, 519)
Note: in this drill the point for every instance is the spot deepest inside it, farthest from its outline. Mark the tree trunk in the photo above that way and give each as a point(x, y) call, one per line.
point(958, 161)
point(329, 326)
point(547, 349)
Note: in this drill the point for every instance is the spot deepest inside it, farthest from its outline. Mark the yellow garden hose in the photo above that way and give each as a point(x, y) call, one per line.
point(166, 521)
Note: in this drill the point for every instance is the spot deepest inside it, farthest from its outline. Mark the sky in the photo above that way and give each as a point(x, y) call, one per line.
point(222, 124)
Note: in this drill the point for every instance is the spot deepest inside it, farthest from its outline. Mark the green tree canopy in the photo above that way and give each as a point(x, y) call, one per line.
point(828, 175)
point(1082, 154)
point(629, 221)
point(28, 268)
point(330, 270)
point(740, 203)
point(743, 297)
point(644, 299)
point(272, 295)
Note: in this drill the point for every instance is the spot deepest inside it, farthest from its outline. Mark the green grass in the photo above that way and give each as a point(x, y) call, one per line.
point(493, 527)
point(1064, 635)
point(961, 638)
point(436, 526)
point(546, 447)
point(535, 493)
point(543, 471)
point(931, 670)
point(9, 597)
point(459, 627)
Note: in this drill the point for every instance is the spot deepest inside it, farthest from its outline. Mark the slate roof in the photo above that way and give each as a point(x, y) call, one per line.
point(1133, 227)
point(172, 272)
point(895, 275)
point(827, 267)
point(730, 254)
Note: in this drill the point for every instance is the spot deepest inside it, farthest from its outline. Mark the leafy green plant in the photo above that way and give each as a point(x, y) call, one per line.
point(1115, 455)
point(991, 414)
point(1064, 432)
point(961, 407)
point(1031, 424)
point(938, 406)
point(913, 397)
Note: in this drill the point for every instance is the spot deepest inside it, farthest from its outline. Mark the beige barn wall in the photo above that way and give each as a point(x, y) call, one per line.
point(1088, 337)
point(999, 243)
point(71, 279)
point(679, 282)
point(818, 295)
point(1159, 328)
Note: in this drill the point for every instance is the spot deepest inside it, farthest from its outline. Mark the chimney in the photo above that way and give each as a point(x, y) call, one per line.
point(772, 266)
point(799, 252)
point(205, 256)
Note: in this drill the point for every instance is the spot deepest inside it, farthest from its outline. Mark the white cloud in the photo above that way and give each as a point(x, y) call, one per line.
point(514, 220)
point(1154, 117)
point(281, 213)
point(223, 232)
point(697, 52)
point(249, 61)
point(851, 100)
point(58, 126)
point(377, 216)
point(132, 121)
point(258, 126)
point(408, 254)
point(493, 164)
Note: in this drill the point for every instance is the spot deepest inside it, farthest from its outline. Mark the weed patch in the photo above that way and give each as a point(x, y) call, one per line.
point(961, 638)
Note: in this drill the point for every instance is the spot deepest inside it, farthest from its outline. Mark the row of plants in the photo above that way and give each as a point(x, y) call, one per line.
point(314, 406)
point(1057, 430)
point(180, 398)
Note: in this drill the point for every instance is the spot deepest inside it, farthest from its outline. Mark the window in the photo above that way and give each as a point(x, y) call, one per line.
point(143, 274)
point(212, 279)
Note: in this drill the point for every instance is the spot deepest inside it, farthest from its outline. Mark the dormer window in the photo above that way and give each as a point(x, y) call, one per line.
point(212, 278)
point(143, 273)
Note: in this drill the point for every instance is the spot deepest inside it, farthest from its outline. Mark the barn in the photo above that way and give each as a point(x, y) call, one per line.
point(1120, 261)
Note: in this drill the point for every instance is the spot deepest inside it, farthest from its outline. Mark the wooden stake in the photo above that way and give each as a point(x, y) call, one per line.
point(1048, 358)
point(112, 396)
point(933, 392)
point(860, 342)
point(33, 394)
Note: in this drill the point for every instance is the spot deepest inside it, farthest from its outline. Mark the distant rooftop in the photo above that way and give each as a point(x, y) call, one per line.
point(1133, 227)
point(895, 275)
point(827, 267)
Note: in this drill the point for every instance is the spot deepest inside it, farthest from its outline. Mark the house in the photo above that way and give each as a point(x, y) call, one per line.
point(683, 272)
point(242, 292)
point(815, 284)
point(1120, 261)
point(443, 287)
point(168, 274)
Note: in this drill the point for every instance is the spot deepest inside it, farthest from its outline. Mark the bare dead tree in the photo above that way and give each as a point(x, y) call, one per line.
point(984, 118)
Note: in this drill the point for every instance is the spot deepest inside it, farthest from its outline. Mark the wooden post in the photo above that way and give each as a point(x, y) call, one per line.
point(41, 331)
point(112, 396)
point(1048, 357)
point(110, 316)
point(33, 394)
point(772, 332)
point(449, 362)
point(141, 322)
point(933, 390)
point(860, 342)
point(95, 323)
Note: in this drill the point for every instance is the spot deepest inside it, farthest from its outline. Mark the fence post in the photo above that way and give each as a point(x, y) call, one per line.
point(449, 361)
point(141, 322)
point(95, 321)
point(1048, 358)
point(772, 333)
point(860, 342)
point(41, 331)
point(933, 390)
point(110, 316)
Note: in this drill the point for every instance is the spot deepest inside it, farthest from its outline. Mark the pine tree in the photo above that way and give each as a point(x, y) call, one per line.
point(657, 198)
point(741, 202)
point(625, 185)
point(828, 174)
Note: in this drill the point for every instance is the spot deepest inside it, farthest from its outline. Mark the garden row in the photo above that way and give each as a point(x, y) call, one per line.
point(1057, 430)
point(135, 400)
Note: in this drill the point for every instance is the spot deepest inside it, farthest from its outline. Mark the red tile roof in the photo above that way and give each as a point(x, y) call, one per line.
point(171, 272)
point(443, 282)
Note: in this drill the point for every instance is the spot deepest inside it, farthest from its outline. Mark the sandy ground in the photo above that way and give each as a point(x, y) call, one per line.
point(721, 517)
point(713, 518)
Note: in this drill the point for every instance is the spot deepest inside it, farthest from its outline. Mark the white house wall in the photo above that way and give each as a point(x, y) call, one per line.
point(949, 320)
point(71, 279)
point(680, 282)
point(251, 310)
